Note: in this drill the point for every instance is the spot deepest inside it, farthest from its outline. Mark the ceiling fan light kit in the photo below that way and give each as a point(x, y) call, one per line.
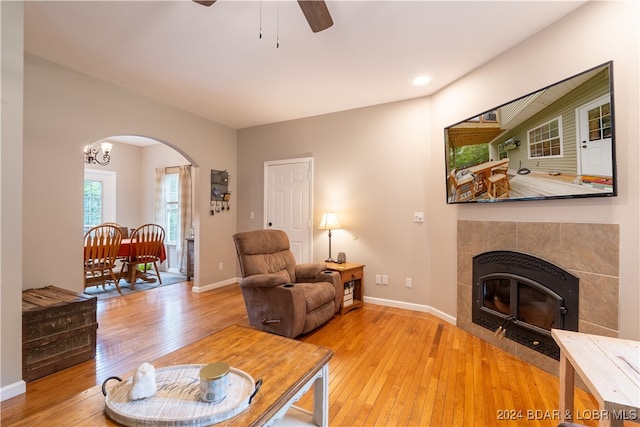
point(315, 11)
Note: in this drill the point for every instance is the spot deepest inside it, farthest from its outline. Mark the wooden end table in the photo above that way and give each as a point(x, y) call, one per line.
point(610, 368)
point(352, 276)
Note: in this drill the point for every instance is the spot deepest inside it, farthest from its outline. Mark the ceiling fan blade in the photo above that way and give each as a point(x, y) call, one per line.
point(317, 14)
point(205, 2)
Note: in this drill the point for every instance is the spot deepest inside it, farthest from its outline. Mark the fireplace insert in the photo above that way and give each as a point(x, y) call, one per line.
point(522, 297)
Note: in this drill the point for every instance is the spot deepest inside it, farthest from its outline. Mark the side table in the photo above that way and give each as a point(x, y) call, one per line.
point(352, 276)
point(609, 368)
point(190, 256)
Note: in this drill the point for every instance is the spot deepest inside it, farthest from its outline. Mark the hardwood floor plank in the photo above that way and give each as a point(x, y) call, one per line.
point(391, 367)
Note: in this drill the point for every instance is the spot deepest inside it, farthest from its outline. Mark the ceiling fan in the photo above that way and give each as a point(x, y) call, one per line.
point(315, 11)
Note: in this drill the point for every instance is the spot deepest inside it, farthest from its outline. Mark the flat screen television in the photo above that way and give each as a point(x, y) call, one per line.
point(555, 143)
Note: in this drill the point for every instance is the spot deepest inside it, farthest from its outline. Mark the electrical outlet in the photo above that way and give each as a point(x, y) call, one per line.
point(385, 279)
point(408, 282)
point(378, 279)
point(418, 217)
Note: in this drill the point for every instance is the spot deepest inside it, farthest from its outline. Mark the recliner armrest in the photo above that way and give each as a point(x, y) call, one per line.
point(309, 271)
point(268, 280)
point(335, 279)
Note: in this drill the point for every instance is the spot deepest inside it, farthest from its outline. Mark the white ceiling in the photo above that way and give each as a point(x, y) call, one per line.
point(210, 60)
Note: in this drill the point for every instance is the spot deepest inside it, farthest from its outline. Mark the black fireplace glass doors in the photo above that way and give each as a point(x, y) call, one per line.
point(524, 297)
point(536, 306)
point(497, 295)
point(539, 308)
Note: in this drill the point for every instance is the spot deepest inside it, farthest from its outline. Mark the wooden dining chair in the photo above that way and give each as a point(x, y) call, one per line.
point(147, 243)
point(123, 230)
point(464, 188)
point(498, 182)
point(101, 246)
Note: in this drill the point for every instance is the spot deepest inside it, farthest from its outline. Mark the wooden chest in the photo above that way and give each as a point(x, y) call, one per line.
point(58, 330)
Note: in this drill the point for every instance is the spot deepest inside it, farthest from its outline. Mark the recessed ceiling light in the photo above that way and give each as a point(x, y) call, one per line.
point(421, 80)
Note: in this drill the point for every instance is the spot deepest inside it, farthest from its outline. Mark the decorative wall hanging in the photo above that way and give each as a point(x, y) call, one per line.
point(220, 195)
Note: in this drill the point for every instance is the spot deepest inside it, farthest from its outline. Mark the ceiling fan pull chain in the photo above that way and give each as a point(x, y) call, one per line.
point(277, 25)
point(260, 20)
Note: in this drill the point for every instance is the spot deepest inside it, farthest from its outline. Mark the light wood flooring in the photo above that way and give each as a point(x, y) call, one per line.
point(391, 367)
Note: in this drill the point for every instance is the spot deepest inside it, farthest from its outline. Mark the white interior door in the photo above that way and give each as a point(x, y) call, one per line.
point(288, 203)
point(594, 127)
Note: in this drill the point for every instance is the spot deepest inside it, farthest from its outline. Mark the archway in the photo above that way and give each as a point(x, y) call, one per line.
point(131, 167)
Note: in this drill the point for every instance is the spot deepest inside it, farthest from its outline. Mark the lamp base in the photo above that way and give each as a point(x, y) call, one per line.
point(330, 260)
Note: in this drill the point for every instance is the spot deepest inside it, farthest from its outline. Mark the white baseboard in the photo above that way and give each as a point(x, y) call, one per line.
point(379, 301)
point(410, 306)
point(211, 286)
point(13, 390)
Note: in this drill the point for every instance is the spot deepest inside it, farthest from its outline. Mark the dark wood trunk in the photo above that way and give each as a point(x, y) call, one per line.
point(58, 330)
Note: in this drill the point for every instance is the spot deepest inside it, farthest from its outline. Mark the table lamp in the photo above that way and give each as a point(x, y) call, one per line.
point(329, 222)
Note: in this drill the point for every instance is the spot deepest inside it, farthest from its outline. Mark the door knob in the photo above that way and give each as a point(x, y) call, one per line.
point(270, 224)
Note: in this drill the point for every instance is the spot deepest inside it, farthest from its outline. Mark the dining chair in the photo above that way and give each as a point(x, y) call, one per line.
point(123, 230)
point(462, 188)
point(502, 168)
point(147, 243)
point(498, 182)
point(101, 246)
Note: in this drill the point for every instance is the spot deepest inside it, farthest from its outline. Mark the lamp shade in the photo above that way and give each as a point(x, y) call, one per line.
point(329, 222)
point(106, 147)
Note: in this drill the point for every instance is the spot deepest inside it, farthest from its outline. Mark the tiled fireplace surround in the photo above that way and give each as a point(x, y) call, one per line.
point(588, 251)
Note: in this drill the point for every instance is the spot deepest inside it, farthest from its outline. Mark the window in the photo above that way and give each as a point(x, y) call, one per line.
point(545, 140)
point(600, 122)
point(99, 197)
point(172, 207)
point(488, 117)
point(92, 203)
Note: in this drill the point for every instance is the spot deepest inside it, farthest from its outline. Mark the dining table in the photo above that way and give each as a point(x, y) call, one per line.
point(482, 172)
point(125, 250)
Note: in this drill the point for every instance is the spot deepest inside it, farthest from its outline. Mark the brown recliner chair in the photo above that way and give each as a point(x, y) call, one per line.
point(280, 296)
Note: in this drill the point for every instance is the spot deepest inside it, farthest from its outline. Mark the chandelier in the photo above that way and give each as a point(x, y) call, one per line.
point(91, 152)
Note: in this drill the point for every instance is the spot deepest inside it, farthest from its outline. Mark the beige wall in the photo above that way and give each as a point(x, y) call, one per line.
point(11, 117)
point(369, 169)
point(65, 110)
point(376, 166)
point(566, 48)
point(373, 166)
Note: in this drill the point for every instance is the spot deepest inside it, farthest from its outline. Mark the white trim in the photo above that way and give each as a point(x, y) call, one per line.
point(369, 300)
point(411, 306)
point(13, 390)
point(604, 99)
point(211, 286)
point(560, 137)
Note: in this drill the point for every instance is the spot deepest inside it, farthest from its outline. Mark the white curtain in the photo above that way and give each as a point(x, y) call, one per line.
point(159, 199)
point(186, 220)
